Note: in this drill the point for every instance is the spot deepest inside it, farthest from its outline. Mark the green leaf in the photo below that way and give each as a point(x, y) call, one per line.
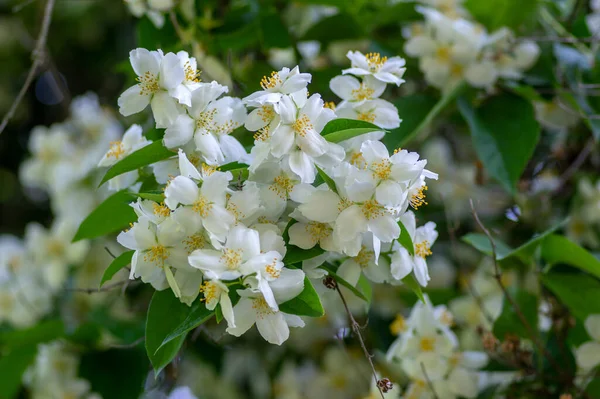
point(307, 303)
point(506, 254)
point(117, 264)
point(165, 314)
point(431, 115)
point(150, 37)
point(112, 215)
point(495, 14)
point(331, 271)
point(579, 292)
point(12, 366)
point(154, 196)
point(145, 156)
point(559, 249)
point(405, 240)
point(197, 314)
point(412, 283)
point(337, 27)
point(295, 254)
point(509, 323)
point(232, 166)
point(44, 331)
point(364, 285)
point(505, 133)
point(328, 180)
point(274, 32)
point(398, 13)
point(413, 110)
point(338, 130)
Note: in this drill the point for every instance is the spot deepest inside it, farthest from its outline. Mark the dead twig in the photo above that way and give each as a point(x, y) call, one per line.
point(39, 56)
point(356, 329)
point(498, 276)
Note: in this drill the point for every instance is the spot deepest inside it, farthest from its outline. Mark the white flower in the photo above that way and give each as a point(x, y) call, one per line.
point(423, 238)
point(273, 325)
point(157, 249)
point(182, 393)
point(365, 262)
point(204, 205)
point(348, 88)
point(275, 86)
point(215, 293)
point(379, 112)
point(587, 355)
point(381, 68)
point(131, 142)
point(160, 77)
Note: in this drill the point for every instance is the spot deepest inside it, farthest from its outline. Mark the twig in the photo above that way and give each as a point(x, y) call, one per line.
point(38, 55)
point(572, 169)
point(127, 346)
point(356, 329)
point(479, 302)
point(18, 7)
point(429, 383)
point(498, 276)
point(110, 253)
point(103, 289)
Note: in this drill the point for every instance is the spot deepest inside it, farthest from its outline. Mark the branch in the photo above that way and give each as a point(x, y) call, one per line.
point(103, 289)
point(38, 56)
point(429, 383)
point(498, 276)
point(356, 329)
point(574, 167)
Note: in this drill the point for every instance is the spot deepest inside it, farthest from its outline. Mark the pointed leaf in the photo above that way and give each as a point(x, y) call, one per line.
point(344, 129)
point(117, 264)
point(405, 240)
point(559, 249)
point(412, 283)
point(328, 180)
point(112, 215)
point(143, 157)
point(307, 303)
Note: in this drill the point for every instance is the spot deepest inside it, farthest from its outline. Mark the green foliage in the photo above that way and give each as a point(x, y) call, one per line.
point(44, 331)
point(413, 284)
point(144, 156)
point(328, 180)
point(165, 315)
point(337, 27)
point(112, 215)
point(331, 270)
point(558, 249)
point(344, 129)
point(156, 197)
point(504, 144)
point(509, 322)
point(296, 255)
point(405, 240)
point(579, 292)
point(495, 14)
point(413, 109)
point(117, 264)
point(12, 366)
point(307, 303)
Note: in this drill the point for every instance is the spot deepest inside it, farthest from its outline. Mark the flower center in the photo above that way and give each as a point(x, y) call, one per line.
point(446, 318)
point(56, 248)
point(148, 84)
point(205, 119)
point(427, 344)
point(330, 105)
point(302, 125)
point(194, 242)
point(364, 257)
point(362, 93)
point(422, 249)
point(207, 169)
point(282, 186)
point(270, 82)
point(368, 116)
point(117, 149)
point(209, 290)
point(375, 61)
point(266, 113)
point(191, 74)
point(202, 206)
point(371, 209)
point(262, 134)
point(457, 70)
point(382, 169)
point(157, 254)
point(418, 198)
point(357, 160)
point(161, 209)
point(261, 307)
point(272, 269)
point(318, 231)
point(398, 326)
point(443, 53)
point(232, 258)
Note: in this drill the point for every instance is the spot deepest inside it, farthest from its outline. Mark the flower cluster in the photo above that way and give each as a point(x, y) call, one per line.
point(62, 166)
point(223, 230)
point(451, 50)
point(428, 353)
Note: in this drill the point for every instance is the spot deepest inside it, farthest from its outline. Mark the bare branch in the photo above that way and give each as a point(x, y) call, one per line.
point(498, 276)
point(356, 329)
point(38, 55)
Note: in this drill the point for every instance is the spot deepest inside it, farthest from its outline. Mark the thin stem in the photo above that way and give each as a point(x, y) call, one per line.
point(574, 167)
point(356, 329)
point(103, 289)
point(429, 383)
point(38, 56)
point(498, 276)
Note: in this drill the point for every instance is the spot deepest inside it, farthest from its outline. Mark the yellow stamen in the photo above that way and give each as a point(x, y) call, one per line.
point(148, 84)
point(192, 75)
point(117, 149)
point(368, 116)
point(302, 125)
point(375, 61)
point(422, 249)
point(194, 242)
point(362, 93)
point(202, 206)
point(372, 209)
point(418, 198)
point(232, 258)
point(382, 169)
point(318, 231)
point(398, 326)
point(161, 209)
point(272, 270)
point(266, 113)
point(209, 289)
point(282, 186)
point(157, 254)
point(270, 82)
point(427, 344)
